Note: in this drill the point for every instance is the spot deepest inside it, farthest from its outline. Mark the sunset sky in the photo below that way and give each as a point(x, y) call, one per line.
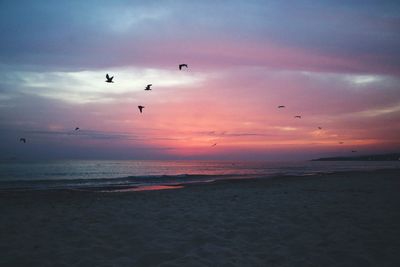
point(335, 63)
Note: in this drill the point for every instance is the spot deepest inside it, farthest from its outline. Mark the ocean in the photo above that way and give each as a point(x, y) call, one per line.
point(81, 174)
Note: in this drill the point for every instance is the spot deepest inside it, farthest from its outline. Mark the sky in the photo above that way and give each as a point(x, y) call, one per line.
point(334, 63)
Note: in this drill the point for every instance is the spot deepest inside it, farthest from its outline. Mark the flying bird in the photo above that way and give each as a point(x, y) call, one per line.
point(319, 128)
point(140, 108)
point(22, 140)
point(214, 144)
point(297, 117)
point(182, 65)
point(281, 106)
point(77, 128)
point(148, 87)
point(353, 151)
point(109, 79)
point(341, 143)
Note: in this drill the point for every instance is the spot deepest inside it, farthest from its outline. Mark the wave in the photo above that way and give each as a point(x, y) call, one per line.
point(87, 177)
point(121, 182)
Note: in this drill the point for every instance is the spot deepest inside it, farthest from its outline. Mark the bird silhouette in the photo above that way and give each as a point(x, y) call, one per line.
point(22, 140)
point(281, 106)
point(109, 79)
point(319, 128)
point(297, 117)
point(140, 108)
point(353, 151)
point(77, 128)
point(214, 144)
point(148, 87)
point(182, 65)
point(341, 143)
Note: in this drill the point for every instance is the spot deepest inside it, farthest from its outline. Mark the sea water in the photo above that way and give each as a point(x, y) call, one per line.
point(125, 173)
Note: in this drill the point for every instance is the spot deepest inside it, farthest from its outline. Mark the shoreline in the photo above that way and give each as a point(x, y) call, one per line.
point(184, 184)
point(340, 219)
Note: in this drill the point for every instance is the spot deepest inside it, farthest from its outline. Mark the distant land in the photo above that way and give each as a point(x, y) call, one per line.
point(379, 157)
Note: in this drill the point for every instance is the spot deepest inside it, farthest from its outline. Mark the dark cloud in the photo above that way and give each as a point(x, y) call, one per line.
point(251, 56)
point(99, 34)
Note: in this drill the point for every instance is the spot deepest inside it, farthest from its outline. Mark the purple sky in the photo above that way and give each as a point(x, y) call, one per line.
point(335, 63)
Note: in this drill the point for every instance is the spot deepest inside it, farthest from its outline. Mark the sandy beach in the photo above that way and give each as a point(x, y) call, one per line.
point(342, 219)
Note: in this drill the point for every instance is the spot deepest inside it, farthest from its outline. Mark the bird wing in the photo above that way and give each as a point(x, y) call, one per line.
point(108, 77)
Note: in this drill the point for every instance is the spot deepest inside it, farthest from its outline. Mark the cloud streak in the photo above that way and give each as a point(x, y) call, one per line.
point(274, 34)
point(336, 65)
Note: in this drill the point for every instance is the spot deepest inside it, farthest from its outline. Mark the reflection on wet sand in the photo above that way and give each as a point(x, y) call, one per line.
point(148, 188)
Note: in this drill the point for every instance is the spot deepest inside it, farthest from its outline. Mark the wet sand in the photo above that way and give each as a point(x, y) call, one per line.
point(342, 219)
